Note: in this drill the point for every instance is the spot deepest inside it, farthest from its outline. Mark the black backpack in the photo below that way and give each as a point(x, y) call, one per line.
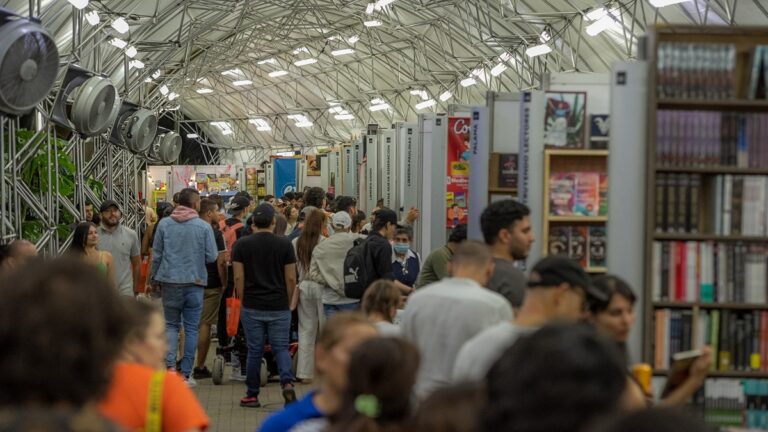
point(358, 270)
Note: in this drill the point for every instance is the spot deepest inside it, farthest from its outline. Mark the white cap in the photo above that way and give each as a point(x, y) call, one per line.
point(341, 220)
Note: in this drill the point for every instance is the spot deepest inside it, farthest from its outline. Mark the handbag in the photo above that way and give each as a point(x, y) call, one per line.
point(233, 315)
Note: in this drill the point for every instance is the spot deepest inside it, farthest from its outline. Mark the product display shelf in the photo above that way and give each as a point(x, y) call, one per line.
point(722, 374)
point(723, 305)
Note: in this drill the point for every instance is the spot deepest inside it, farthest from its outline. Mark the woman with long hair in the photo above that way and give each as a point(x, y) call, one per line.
point(85, 243)
point(310, 294)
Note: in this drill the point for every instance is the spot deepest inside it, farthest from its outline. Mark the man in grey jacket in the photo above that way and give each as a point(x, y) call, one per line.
point(327, 265)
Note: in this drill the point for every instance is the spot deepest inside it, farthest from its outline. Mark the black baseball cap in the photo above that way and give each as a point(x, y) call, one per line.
point(263, 214)
point(386, 215)
point(107, 204)
point(557, 269)
point(239, 203)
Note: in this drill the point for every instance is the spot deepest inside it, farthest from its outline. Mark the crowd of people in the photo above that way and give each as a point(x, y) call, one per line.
point(459, 341)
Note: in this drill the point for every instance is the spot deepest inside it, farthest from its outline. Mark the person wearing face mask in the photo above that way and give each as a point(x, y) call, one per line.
point(406, 263)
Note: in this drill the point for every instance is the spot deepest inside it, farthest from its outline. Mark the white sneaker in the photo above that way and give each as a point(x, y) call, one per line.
point(191, 383)
point(237, 375)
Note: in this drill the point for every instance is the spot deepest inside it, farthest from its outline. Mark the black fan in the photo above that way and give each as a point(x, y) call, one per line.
point(134, 128)
point(166, 148)
point(86, 102)
point(29, 61)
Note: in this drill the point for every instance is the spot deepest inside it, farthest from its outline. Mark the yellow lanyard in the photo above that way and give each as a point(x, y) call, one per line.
point(155, 405)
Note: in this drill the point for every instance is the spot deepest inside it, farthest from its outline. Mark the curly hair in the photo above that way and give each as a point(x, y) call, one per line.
point(314, 197)
point(501, 215)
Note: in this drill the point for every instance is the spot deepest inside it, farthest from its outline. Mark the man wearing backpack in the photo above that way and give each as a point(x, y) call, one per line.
point(371, 259)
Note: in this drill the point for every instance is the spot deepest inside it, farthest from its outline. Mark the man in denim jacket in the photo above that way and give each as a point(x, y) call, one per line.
point(183, 244)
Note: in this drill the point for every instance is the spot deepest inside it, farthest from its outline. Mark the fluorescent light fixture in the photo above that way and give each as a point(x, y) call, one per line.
point(131, 51)
point(545, 37)
point(136, 64)
point(498, 69)
point(225, 128)
point(377, 101)
point(261, 124)
point(279, 73)
point(172, 107)
point(505, 56)
point(119, 43)
point(538, 50)
point(156, 74)
point(342, 52)
point(601, 25)
point(445, 96)
point(193, 136)
point(336, 110)
point(147, 80)
point(422, 93)
point(172, 96)
point(121, 25)
point(164, 90)
point(305, 62)
point(662, 3)
point(242, 82)
point(79, 4)
point(233, 72)
point(379, 107)
point(301, 120)
point(426, 104)
point(596, 14)
point(204, 91)
point(466, 82)
point(93, 18)
point(344, 112)
point(372, 23)
point(227, 132)
point(334, 104)
point(265, 61)
point(304, 124)
point(369, 9)
point(353, 39)
point(381, 4)
point(300, 50)
point(344, 117)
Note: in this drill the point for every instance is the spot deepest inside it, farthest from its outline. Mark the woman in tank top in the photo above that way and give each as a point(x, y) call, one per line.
point(84, 244)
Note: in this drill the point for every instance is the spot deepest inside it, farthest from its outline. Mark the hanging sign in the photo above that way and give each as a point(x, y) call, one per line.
point(459, 153)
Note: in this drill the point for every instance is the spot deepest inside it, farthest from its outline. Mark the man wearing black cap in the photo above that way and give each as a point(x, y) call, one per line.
point(123, 243)
point(265, 278)
point(380, 248)
point(558, 290)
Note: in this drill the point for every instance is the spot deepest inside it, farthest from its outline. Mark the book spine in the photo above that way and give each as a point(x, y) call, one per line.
point(683, 198)
point(736, 205)
point(656, 271)
point(755, 359)
point(727, 201)
point(714, 338)
point(692, 219)
point(661, 201)
point(724, 356)
point(665, 270)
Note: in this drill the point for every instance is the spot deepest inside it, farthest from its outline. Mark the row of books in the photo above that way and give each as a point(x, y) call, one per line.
point(729, 402)
point(709, 272)
point(739, 339)
point(696, 70)
point(578, 194)
point(736, 204)
point(711, 138)
point(758, 79)
point(582, 243)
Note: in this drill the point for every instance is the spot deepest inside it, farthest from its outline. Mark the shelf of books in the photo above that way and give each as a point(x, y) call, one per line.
point(576, 209)
point(707, 211)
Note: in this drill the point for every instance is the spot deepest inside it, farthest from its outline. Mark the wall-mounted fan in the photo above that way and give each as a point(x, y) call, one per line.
point(166, 147)
point(134, 128)
point(86, 102)
point(29, 62)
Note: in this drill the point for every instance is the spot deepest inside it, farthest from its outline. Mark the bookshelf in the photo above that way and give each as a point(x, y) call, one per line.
point(575, 205)
point(705, 249)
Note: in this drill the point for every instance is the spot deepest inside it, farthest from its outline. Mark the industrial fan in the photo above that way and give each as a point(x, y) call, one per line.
point(29, 61)
point(166, 147)
point(134, 128)
point(86, 102)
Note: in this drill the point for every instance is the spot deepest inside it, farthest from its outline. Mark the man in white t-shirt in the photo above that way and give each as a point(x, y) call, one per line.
point(441, 317)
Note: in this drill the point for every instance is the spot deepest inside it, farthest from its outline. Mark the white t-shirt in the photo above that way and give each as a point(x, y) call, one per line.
point(388, 329)
point(478, 355)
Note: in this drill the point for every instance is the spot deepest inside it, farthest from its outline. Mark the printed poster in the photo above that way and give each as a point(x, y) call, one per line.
point(285, 175)
point(457, 189)
point(313, 165)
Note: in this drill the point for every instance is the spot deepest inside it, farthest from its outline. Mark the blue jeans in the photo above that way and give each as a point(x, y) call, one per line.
point(277, 326)
point(330, 309)
point(182, 303)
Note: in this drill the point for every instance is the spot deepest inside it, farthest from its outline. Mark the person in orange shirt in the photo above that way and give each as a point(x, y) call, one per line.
point(142, 394)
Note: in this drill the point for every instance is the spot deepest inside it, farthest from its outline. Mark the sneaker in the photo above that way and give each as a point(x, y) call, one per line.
point(289, 395)
point(237, 375)
point(250, 402)
point(202, 373)
point(191, 383)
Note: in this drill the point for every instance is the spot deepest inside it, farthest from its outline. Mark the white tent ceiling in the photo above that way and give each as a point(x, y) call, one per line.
point(429, 45)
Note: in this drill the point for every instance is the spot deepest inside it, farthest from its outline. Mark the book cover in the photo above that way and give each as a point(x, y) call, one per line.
point(597, 247)
point(561, 194)
point(508, 170)
point(587, 200)
point(603, 199)
point(578, 244)
point(660, 339)
point(559, 240)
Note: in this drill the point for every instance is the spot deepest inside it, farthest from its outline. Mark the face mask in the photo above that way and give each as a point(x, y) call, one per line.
point(401, 248)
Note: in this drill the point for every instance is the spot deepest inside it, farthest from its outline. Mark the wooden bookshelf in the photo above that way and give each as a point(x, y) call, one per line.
point(571, 161)
point(744, 40)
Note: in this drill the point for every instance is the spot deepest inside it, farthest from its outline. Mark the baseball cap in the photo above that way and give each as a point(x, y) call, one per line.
point(264, 213)
point(107, 204)
point(386, 215)
point(307, 210)
point(244, 194)
point(556, 269)
point(341, 220)
point(239, 203)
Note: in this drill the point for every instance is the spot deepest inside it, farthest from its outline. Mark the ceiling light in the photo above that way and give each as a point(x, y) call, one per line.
point(601, 25)
point(662, 3)
point(227, 132)
point(379, 107)
point(372, 23)
point(79, 4)
point(344, 117)
point(93, 18)
point(377, 101)
point(336, 109)
point(538, 50)
point(205, 91)
point(481, 73)
point(353, 39)
point(172, 107)
point(164, 90)
point(426, 104)
point(304, 124)
point(334, 103)
point(242, 82)
point(369, 9)
point(446, 95)
point(545, 37)
point(381, 4)
point(156, 74)
point(305, 62)
point(265, 61)
point(233, 72)
point(121, 25)
point(505, 56)
point(261, 124)
point(172, 96)
point(119, 43)
point(422, 93)
point(193, 136)
point(596, 14)
point(300, 50)
point(147, 80)
point(136, 64)
point(279, 73)
point(466, 82)
point(498, 69)
point(131, 51)
point(342, 52)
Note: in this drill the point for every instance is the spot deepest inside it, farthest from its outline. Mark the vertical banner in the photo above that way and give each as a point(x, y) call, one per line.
point(359, 158)
point(458, 160)
point(334, 162)
point(388, 162)
point(285, 175)
point(409, 172)
point(349, 171)
point(371, 171)
point(270, 169)
point(480, 143)
point(301, 176)
point(523, 155)
point(325, 171)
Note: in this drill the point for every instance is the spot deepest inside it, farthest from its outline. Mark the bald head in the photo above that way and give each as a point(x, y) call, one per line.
point(15, 253)
point(472, 260)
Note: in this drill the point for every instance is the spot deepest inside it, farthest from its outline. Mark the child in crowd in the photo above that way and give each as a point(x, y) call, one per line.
point(380, 304)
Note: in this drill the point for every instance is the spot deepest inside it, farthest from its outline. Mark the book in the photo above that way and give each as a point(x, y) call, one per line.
point(603, 195)
point(587, 197)
point(695, 70)
point(578, 244)
point(561, 194)
point(559, 240)
point(597, 247)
